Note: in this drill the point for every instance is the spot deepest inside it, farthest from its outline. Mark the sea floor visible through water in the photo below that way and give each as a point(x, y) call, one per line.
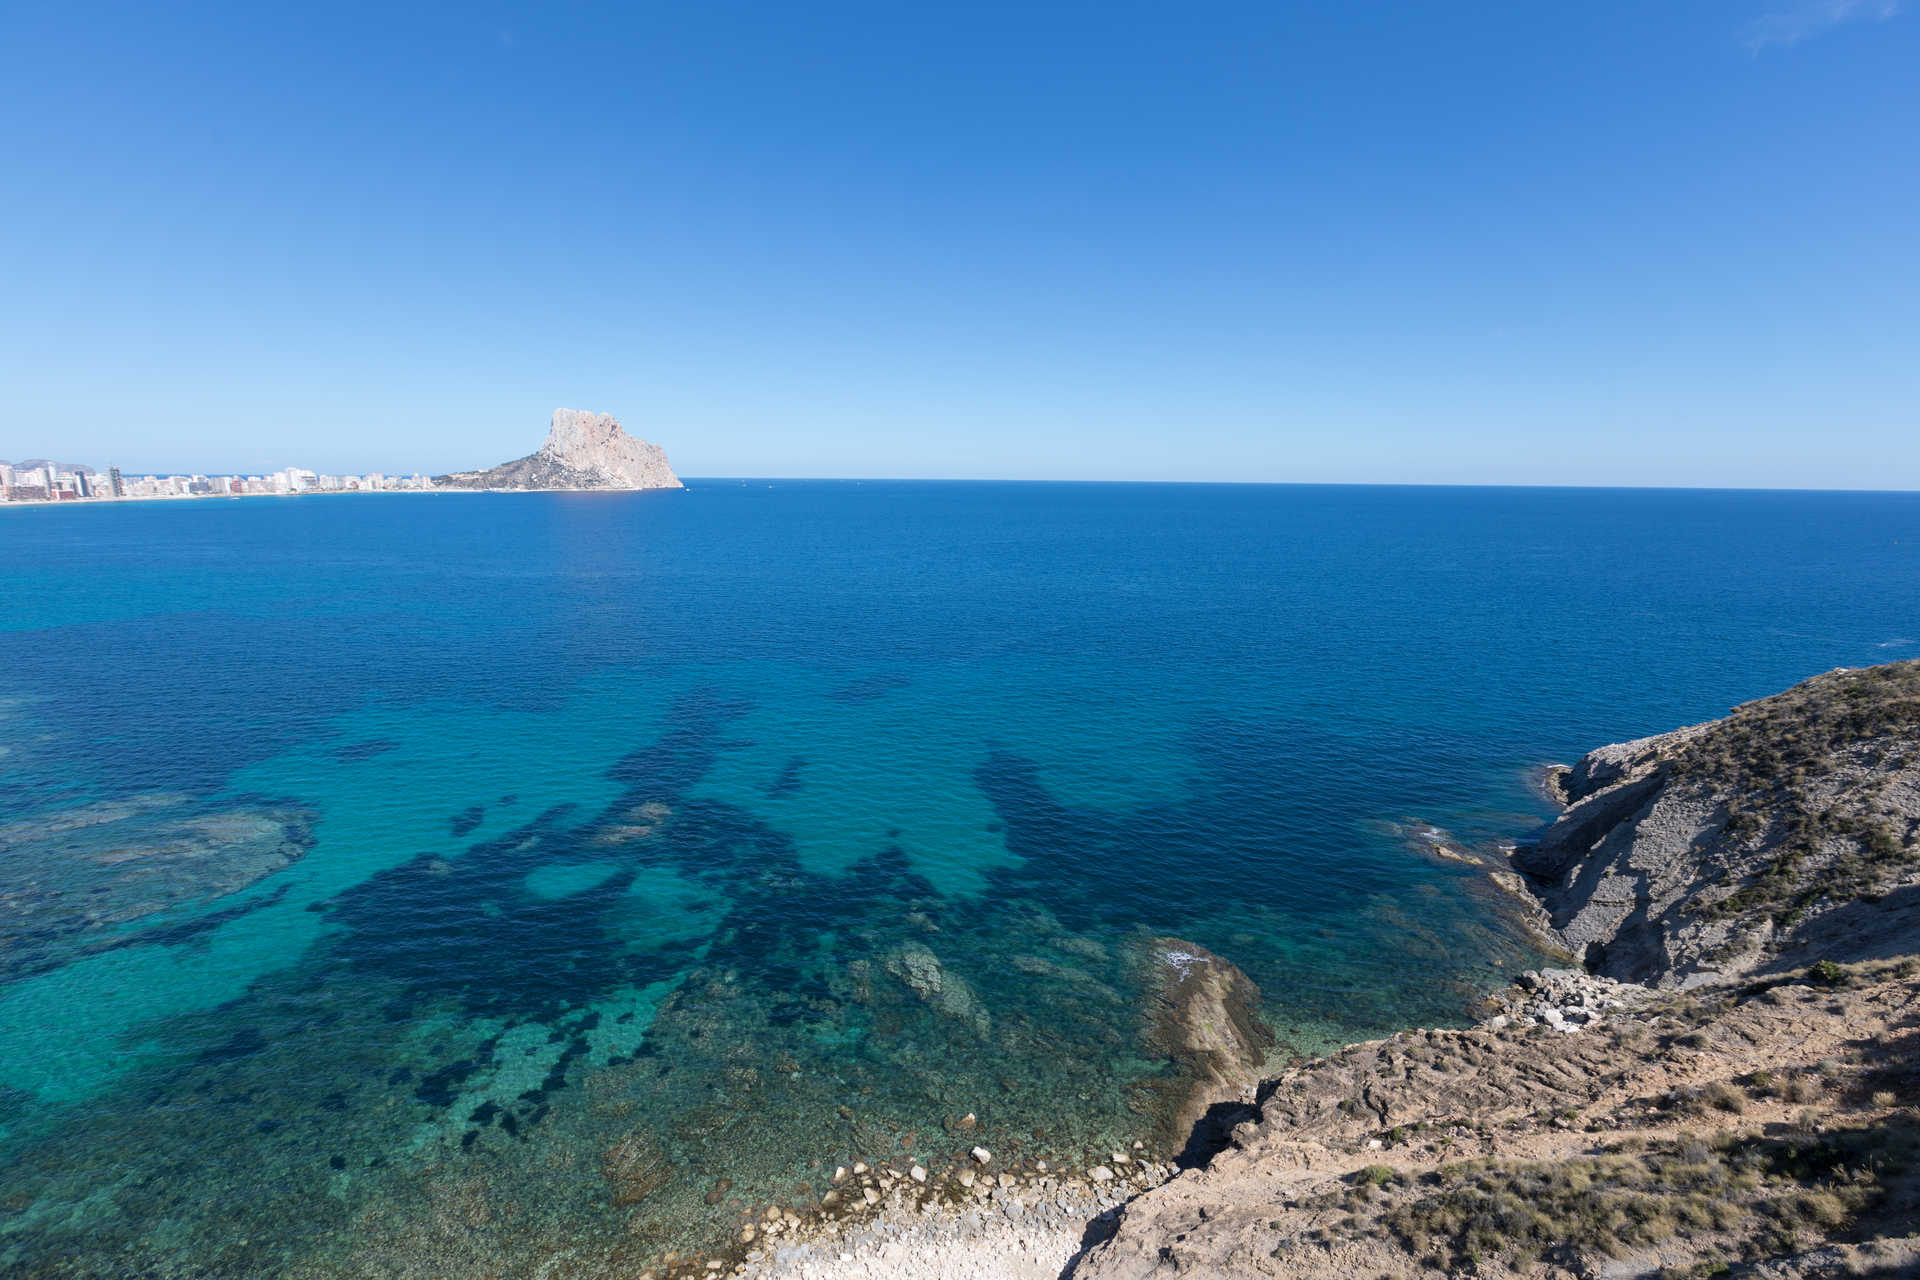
point(548, 904)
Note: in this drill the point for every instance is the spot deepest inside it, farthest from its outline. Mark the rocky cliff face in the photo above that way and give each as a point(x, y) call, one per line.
point(583, 451)
point(1785, 833)
point(1747, 1105)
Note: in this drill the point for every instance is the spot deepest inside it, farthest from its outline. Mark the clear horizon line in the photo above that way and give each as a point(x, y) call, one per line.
point(1082, 480)
point(1316, 484)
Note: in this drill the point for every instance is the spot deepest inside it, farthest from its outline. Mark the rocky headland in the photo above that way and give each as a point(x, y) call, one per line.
point(1779, 836)
point(1728, 1085)
point(583, 451)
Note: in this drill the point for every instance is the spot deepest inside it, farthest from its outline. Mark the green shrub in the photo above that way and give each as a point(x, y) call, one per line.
point(1616, 1201)
point(1826, 973)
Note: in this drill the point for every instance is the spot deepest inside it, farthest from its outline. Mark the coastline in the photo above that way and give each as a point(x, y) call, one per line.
point(1027, 1224)
point(216, 497)
point(1713, 1091)
point(312, 493)
point(969, 1214)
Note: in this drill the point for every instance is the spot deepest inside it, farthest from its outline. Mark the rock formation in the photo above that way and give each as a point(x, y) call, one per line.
point(1747, 1105)
point(1203, 1014)
point(70, 884)
point(1782, 834)
point(635, 1167)
point(583, 451)
point(943, 990)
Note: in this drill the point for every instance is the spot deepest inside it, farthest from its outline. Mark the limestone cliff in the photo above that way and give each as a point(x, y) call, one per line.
point(1747, 1105)
point(583, 451)
point(1785, 833)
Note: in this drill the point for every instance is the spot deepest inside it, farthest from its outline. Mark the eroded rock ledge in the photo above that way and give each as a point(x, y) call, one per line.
point(1734, 1089)
point(1786, 833)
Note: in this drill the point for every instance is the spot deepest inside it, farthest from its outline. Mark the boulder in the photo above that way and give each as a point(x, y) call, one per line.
point(635, 1167)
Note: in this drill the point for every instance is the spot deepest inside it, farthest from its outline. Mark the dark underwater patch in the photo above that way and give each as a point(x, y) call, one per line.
point(463, 822)
point(354, 752)
point(869, 688)
point(687, 748)
point(174, 935)
point(442, 1087)
point(789, 780)
point(1227, 840)
point(467, 930)
point(243, 1043)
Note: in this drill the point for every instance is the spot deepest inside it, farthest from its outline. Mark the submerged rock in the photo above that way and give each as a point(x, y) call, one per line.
point(70, 881)
point(946, 992)
point(635, 1168)
point(1203, 1012)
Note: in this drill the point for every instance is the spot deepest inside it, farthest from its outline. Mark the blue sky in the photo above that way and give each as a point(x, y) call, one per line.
point(1643, 243)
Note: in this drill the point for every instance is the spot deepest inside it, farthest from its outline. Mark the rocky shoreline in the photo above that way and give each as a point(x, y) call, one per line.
point(1729, 1087)
point(962, 1209)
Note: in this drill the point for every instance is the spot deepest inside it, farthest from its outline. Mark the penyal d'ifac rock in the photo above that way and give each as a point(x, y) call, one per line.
point(583, 451)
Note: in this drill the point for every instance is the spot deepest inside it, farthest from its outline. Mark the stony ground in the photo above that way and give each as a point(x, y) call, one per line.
point(1033, 1233)
point(1585, 1130)
point(1769, 1130)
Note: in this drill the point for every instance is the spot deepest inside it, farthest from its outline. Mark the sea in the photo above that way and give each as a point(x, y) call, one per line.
point(536, 884)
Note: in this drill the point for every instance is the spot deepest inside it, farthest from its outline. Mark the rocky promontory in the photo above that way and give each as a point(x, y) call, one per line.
point(583, 451)
point(1730, 1086)
point(1778, 836)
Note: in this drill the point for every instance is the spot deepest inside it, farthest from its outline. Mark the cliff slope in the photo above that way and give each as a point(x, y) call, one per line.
point(1785, 833)
point(1748, 1104)
point(583, 451)
point(1768, 1130)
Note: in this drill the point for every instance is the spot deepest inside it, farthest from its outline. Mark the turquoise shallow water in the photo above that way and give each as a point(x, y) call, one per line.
point(381, 873)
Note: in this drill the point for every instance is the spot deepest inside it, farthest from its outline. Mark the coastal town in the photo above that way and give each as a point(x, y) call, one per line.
point(582, 451)
point(40, 480)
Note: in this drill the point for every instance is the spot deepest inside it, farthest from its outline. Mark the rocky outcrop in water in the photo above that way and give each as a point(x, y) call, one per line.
point(945, 991)
point(1203, 1014)
point(583, 451)
point(635, 1167)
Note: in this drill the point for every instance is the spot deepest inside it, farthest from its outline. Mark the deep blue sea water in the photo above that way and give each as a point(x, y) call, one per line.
point(373, 869)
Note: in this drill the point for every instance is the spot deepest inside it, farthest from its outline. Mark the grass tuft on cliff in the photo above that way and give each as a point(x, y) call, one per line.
point(1812, 768)
point(1759, 1195)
